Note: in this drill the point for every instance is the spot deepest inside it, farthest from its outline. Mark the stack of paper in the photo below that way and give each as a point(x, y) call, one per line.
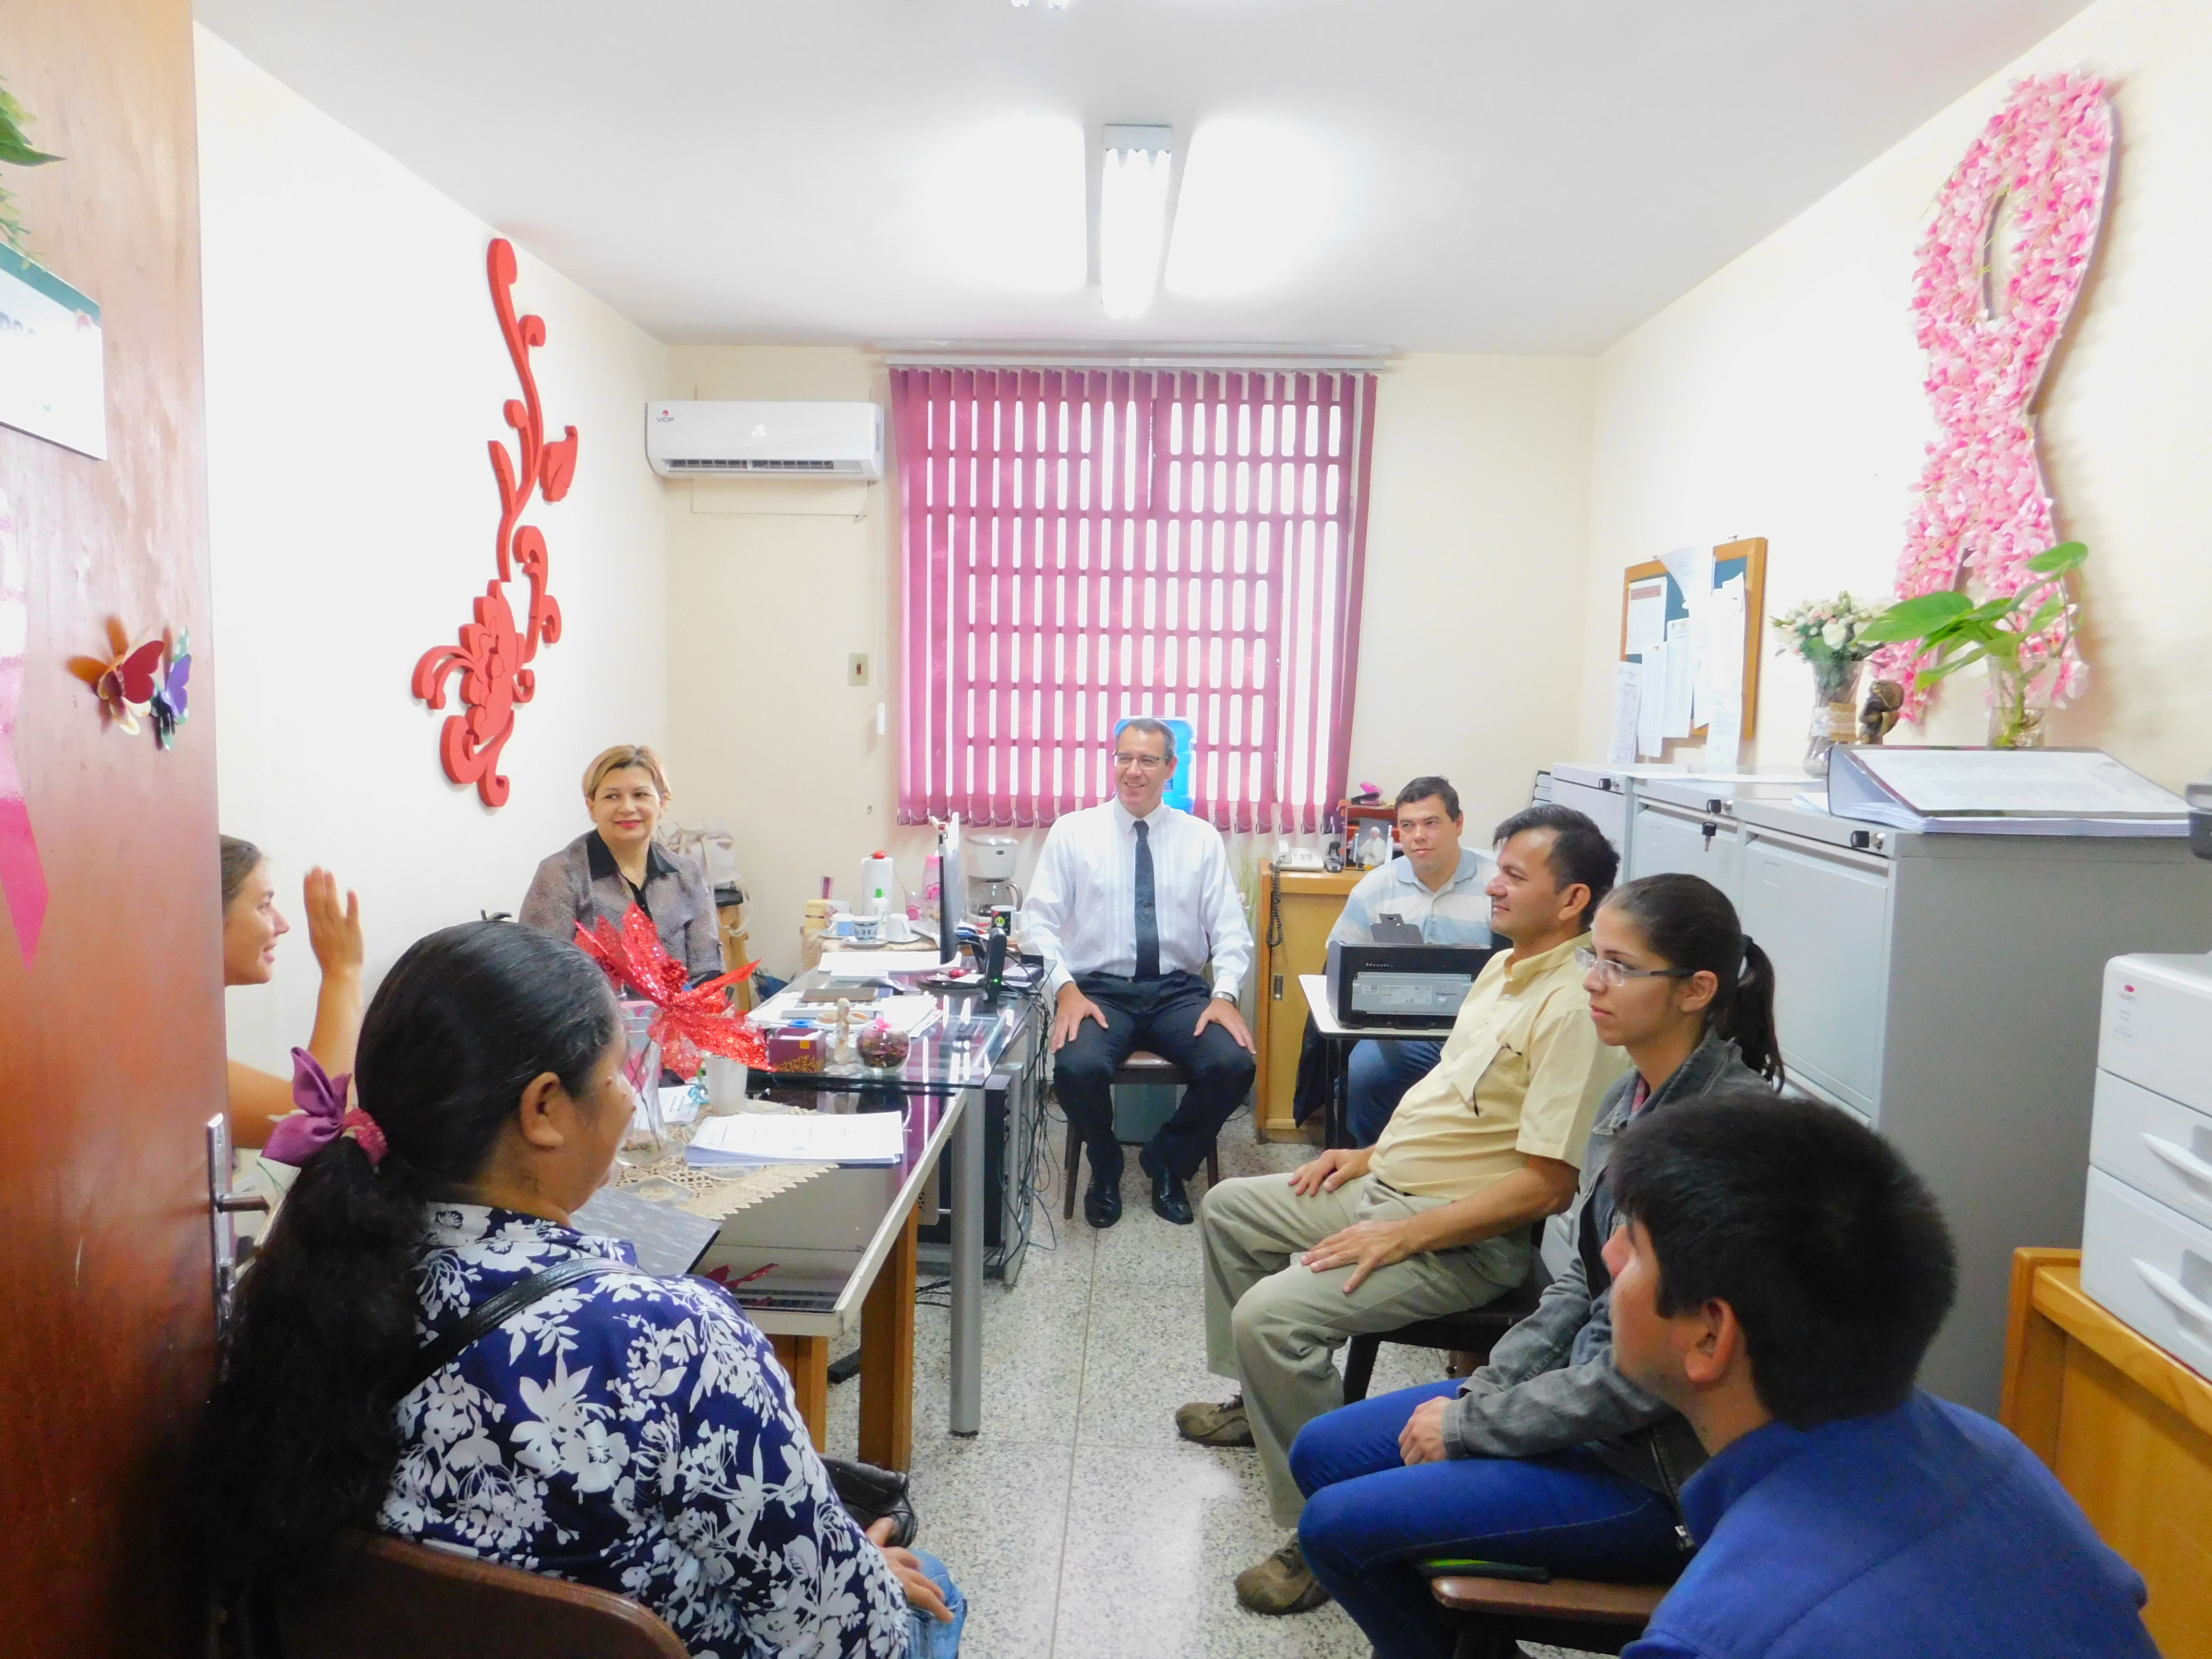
point(2007, 792)
point(751, 1139)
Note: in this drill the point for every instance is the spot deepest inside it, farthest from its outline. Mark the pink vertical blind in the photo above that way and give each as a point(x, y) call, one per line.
point(1084, 544)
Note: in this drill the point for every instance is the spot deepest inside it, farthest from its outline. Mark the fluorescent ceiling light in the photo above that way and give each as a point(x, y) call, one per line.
point(1259, 200)
point(1003, 204)
point(1133, 214)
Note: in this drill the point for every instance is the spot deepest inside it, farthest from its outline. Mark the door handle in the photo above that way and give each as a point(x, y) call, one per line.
point(228, 1254)
point(2192, 1169)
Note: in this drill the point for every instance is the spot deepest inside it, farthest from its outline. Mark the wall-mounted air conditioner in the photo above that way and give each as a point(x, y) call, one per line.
point(840, 442)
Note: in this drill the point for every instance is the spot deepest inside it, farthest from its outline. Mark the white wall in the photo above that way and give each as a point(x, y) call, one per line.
point(1476, 531)
point(354, 375)
point(1782, 399)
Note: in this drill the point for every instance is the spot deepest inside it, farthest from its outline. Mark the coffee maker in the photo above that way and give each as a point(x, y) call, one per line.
point(991, 874)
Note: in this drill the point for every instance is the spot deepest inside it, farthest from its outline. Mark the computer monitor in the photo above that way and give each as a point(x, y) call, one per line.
point(951, 889)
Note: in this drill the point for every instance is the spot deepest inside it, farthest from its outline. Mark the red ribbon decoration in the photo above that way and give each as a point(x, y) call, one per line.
point(495, 652)
point(691, 1018)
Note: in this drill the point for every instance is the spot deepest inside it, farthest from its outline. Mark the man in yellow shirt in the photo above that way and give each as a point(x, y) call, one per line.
point(1431, 1219)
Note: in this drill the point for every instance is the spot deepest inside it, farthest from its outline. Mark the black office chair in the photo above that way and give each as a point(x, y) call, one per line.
point(1474, 1333)
point(1142, 1066)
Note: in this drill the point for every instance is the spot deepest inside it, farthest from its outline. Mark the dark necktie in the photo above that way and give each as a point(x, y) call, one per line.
point(1148, 914)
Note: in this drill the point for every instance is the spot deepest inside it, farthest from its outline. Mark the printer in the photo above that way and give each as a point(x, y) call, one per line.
point(2146, 1221)
point(1414, 985)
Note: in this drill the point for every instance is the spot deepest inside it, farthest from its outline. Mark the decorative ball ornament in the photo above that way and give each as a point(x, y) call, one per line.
point(1984, 510)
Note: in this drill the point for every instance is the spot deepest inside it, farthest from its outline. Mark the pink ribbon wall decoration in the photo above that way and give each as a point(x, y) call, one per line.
point(1983, 509)
point(22, 875)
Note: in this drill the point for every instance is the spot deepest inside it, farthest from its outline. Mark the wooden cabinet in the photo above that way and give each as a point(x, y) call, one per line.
point(1297, 909)
point(2127, 1429)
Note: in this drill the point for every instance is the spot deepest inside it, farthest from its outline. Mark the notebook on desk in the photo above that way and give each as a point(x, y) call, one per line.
point(668, 1242)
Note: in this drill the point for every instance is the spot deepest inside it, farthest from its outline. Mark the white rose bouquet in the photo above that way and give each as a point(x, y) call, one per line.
point(1827, 631)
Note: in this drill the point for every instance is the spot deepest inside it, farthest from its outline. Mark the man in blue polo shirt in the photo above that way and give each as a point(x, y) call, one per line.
point(1437, 887)
point(1777, 1274)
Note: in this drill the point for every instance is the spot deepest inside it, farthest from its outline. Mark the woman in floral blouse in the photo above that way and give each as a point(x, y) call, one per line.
point(625, 1432)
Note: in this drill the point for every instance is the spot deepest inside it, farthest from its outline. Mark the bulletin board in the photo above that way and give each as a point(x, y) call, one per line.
point(1745, 558)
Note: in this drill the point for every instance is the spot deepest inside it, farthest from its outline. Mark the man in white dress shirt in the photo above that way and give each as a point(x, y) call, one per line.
point(1131, 902)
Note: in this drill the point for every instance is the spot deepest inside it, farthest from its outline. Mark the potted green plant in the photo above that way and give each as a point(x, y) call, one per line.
point(2009, 633)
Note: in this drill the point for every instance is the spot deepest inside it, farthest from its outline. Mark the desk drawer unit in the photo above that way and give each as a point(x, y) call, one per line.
point(2151, 1266)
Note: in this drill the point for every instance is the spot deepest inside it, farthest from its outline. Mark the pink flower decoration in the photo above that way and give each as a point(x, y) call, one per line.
point(1983, 503)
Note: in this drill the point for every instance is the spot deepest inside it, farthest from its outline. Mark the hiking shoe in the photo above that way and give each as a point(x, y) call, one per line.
point(1281, 1583)
point(1214, 1426)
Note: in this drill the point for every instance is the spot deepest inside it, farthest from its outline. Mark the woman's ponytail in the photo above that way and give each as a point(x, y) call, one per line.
point(1746, 1017)
point(1689, 923)
point(302, 1440)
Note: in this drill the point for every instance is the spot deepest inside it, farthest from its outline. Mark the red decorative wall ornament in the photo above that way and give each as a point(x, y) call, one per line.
point(493, 658)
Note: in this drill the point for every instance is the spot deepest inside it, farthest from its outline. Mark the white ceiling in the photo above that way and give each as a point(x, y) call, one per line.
point(1465, 175)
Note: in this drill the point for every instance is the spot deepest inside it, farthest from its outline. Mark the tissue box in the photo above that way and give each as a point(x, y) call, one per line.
point(801, 1050)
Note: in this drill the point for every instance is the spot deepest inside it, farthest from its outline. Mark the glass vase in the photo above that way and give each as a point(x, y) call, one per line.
point(1835, 710)
point(2016, 707)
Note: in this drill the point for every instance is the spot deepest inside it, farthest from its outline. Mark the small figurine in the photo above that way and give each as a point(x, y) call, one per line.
point(1878, 718)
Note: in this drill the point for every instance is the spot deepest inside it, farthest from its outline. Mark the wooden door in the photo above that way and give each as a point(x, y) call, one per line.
point(110, 1032)
point(1306, 904)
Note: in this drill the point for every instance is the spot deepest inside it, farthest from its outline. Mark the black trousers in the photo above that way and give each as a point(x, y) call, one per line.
point(1156, 1014)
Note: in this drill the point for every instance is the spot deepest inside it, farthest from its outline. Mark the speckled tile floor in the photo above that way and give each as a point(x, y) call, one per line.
point(1077, 1521)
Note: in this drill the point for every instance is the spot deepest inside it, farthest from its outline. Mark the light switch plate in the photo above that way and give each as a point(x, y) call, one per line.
point(856, 668)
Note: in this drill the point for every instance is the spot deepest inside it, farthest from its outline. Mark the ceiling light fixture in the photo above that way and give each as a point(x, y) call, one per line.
point(1057, 5)
point(1132, 215)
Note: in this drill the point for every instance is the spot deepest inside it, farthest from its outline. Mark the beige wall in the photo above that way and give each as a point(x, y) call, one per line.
point(1781, 398)
point(772, 583)
point(1479, 492)
point(352, 386)
point(1476, 527)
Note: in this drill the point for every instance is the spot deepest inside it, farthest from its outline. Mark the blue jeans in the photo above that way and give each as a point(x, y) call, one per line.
point(1381, 1072)
point(1369, 1517)
point(926, 1638)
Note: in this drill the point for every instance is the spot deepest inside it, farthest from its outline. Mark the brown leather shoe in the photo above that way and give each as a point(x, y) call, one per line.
point(1281, 1583)
point(1211, 1424)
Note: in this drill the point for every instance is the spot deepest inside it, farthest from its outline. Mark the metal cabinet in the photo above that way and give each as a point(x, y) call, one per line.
point(1945, 989)
point(1821, 913)
point(1697, 843)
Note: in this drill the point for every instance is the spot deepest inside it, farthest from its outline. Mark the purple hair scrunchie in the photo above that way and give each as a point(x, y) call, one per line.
point(321, 1099)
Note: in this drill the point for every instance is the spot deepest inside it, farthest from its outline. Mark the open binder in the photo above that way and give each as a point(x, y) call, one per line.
point(2000, 792)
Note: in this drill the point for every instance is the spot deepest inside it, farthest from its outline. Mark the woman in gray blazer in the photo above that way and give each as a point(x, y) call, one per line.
point(617, 863)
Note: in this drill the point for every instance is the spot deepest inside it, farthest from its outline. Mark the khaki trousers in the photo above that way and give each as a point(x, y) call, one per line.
point(1274, 1326)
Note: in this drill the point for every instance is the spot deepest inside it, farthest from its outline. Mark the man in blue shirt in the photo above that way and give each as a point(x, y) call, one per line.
point(1437, 887)
point(1777, 1276)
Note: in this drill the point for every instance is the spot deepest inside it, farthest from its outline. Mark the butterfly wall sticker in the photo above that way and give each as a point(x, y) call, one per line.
point(147, 679)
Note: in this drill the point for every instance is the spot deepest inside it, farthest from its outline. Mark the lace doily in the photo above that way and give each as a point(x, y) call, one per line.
point(715, 1196)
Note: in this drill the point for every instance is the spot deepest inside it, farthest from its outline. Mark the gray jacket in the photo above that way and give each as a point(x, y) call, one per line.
point(582, 883)
point(1551, 1381)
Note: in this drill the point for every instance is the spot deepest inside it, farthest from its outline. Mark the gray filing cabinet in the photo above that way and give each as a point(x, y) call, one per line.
point(1944, 988)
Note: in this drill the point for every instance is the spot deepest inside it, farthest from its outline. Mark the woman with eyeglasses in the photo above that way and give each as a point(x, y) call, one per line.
point(1547, 1456)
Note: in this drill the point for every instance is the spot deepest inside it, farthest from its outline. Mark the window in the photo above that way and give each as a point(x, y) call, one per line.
point(1084, 544)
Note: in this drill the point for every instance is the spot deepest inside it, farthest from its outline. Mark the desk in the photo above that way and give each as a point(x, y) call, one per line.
point(859, 1223)
point(858, 1226)
point(2127, 1429)
point(1337, 1038)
